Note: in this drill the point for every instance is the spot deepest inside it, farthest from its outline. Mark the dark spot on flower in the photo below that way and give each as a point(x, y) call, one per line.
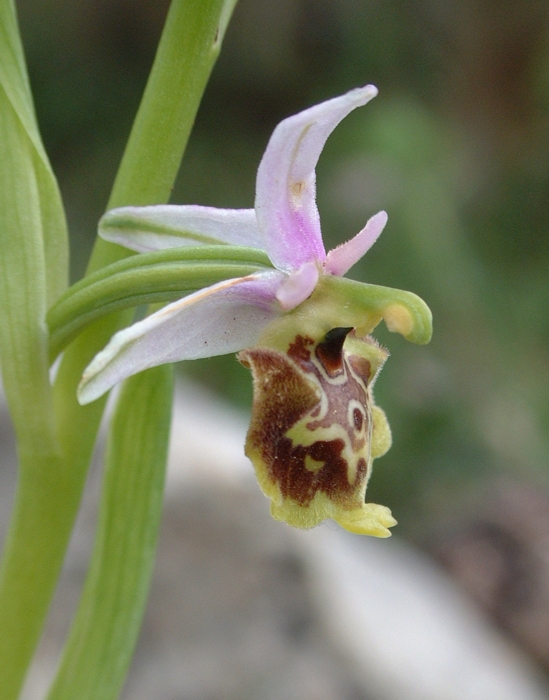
point(358, 418)
point(298, 350)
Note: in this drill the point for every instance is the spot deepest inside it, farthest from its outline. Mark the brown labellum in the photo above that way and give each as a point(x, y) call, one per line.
point(311, 430)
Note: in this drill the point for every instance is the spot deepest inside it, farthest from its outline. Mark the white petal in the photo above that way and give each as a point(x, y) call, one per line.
point(220, 319)
point(285, 192)
point(341, 259)
point(146, 229)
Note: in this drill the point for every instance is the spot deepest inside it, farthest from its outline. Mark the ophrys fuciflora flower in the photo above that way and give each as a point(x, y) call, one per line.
point(302, 327)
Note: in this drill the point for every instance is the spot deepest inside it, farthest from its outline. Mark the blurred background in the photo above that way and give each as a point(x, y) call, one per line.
point(455, 148)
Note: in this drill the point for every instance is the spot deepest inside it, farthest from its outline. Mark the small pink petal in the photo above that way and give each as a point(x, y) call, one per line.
point(285, 200)
point(298, 286)
point(341, 259)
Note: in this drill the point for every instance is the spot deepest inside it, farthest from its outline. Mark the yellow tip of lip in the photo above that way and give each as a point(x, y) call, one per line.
point(372, 519)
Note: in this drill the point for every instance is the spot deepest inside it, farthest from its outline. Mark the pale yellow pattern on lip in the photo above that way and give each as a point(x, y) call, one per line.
point(369, 519)
point(313, 465)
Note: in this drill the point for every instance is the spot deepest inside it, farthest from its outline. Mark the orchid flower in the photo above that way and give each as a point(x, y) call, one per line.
point(302, 328)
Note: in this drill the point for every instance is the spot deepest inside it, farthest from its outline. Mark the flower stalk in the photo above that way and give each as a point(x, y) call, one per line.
point(106, 626)
point(189, 46)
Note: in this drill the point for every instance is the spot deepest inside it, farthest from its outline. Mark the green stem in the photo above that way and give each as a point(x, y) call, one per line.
point(106, 626)
point(31, 547)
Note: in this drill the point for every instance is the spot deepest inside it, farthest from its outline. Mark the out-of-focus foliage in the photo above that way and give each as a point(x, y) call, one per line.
point(455, 148)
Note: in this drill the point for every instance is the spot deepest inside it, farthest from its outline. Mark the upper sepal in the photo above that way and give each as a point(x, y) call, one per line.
point(285, 200)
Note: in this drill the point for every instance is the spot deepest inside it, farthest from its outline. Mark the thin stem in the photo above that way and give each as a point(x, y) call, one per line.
point(106, 626)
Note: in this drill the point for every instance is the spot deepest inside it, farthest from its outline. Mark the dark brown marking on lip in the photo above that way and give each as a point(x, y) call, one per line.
point(301, 484)
point(358, 418)
point(282, 395)
point(299, 351)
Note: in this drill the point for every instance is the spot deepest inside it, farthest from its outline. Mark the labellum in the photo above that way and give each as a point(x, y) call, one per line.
point(315, 429)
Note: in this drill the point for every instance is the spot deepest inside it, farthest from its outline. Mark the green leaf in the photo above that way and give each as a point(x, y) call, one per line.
point(23, 336)
point(15, 84)
point(33, 248)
